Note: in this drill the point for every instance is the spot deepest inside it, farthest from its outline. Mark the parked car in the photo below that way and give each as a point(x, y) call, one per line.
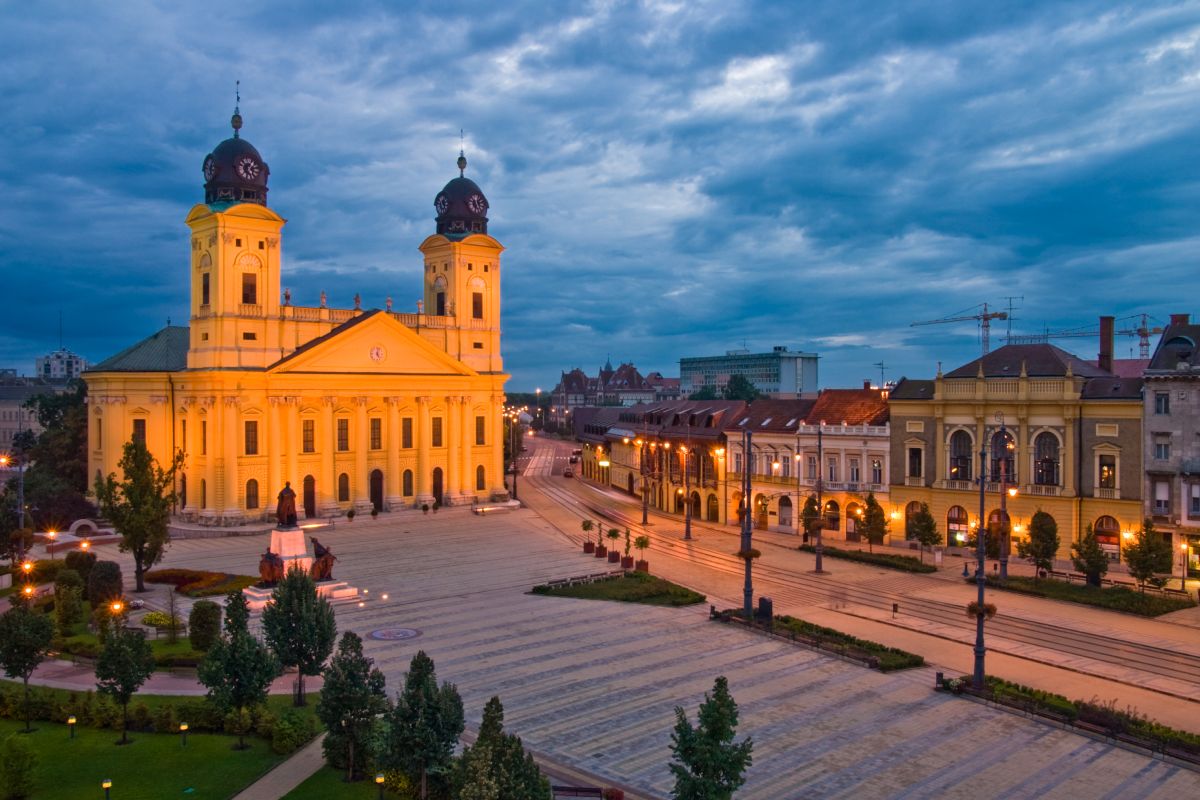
point(573, 460)
point(568, 473)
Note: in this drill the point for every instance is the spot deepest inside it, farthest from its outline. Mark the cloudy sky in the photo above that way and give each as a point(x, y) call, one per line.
point(670, 178)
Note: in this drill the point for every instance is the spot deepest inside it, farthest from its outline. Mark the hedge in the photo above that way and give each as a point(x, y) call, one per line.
point(889, 560)
point(1116, 598)
point(200, 583)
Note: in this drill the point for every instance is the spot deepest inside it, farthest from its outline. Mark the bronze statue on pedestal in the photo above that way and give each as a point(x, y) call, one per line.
point(322, 567)
point(270, 568)
point(285, 512)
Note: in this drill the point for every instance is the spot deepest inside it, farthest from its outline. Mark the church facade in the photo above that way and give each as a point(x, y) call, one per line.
point(356, 409)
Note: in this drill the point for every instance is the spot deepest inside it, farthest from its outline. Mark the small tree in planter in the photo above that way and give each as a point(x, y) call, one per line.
point(350, 515)
point(601, 550)
point(627, 561)
point(641, 543)
point(613, 555)
point(588, 545)
point(424, 508)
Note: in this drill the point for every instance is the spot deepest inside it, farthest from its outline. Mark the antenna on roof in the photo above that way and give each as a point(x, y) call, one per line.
point(882, 367)
point(1010, 312)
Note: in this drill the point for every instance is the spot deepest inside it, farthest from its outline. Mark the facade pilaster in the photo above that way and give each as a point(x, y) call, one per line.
point(273, 453)
point(327, 488)
point(212, 424)
point(231, 511)
point(497, 428)
point(292, 437)
point(467, 440)
point(394, 498)
point(191, 468)
point(362, 443)
point(452, 431)
point(424, 468)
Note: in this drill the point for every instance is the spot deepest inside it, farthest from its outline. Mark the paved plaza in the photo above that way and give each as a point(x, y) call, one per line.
point(594, 684)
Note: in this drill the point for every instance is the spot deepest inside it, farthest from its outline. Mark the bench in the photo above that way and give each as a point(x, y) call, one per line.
point(576, 791)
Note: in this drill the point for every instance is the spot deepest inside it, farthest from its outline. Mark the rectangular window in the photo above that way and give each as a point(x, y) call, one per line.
point(1162, 448)
point(477, 305)
point(139, 432)
point(308, 435)
point(343, 435)
point(1162, 402)
point(1194, 508)
point(812, 468)
point(376, 433)
point(786, 465)
point(876, 470)
point(204, 288)
point(1108, 472)
point(251, 437)
point(439, 304)
point(436, 434)
point(249, 336)
point(203, 437)
point(183, 435)
point(915, 455)
point(855, 475)
point(249, 288)
point(480, 430)
point(737, 463)
point(831, 469)
point(99, 434)
point(1162, 498)
point(406, 437)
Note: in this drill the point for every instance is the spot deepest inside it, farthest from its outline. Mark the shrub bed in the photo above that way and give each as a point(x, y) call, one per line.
point(880, 656)
point(1116, 598)
point(167, 655)
point(632, 587)
point(1093, 714)
point(888, 560)
point(200, 583)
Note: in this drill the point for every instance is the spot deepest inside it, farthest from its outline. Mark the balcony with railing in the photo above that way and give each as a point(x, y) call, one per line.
point(425, 320)
point(1107, 493)
point(961, 486)
point(1043, 490)
point(250, 309)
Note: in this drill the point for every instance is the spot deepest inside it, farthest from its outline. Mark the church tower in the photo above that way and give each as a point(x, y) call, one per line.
point(235, 259)
point(462, 275)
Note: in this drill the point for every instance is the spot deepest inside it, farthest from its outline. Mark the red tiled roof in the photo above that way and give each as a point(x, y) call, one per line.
point(852, 406)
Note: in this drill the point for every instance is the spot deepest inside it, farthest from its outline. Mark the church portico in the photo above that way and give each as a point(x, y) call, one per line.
point(357, 409)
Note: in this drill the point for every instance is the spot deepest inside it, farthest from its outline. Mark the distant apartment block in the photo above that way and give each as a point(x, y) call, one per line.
point(780, 373)
point(60, 366)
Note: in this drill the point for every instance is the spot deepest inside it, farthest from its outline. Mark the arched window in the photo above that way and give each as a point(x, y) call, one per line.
point(343, 488)
point(833, 516)
point(1045, 459)
point(714, 509)
point(910, 514)
point(854, 517)
point(785, 511)
point(1002, 451)
point(251, 494)
point(958, 526)
point(480, 478)
point(407, 482)
point(203, 493)
point(960, 456)
point(1107, 530)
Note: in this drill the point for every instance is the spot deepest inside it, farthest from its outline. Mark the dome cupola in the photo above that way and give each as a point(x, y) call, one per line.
point(234, 172)
point(461, 207)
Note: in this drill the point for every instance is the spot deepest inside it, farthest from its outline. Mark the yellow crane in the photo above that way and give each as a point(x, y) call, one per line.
point(983, 317)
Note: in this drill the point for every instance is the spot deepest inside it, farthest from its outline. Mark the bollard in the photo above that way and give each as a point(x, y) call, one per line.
point(938, 681)
point(895, 609)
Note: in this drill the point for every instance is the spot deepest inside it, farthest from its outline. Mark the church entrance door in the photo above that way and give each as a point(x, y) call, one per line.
point(310, 497)
point(437, 485)
point(377, 490)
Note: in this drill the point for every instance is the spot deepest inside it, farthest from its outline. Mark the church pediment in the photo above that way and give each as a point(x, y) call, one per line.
point(373, 343)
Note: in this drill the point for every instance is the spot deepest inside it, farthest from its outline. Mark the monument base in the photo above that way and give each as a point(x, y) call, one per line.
point(333, 591)
point(290, 545)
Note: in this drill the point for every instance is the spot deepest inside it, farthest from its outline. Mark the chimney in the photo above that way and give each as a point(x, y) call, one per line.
point(1179, 319)
point(866, 383)
point(1106, 344)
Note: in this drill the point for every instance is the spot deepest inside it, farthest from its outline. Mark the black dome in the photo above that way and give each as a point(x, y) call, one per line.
point(235, 172)
point(461, 206)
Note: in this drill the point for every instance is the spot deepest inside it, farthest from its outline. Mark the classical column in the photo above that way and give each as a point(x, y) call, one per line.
point(496, 413)
point(451, 433)
point(395, 498)
point(191, 448)
point(292, 438)
point(210, 428)
point(232, 447)
point(467, 437)
point(327, 487)
point(274, 453)
point(424, 468)
point(362, 443)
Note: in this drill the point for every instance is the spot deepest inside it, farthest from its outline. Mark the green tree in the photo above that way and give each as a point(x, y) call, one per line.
point(423, 726)
point(57, 478)
point(204, 624)
point(352, 699)
point(1149, 554)
point(707, 764)
point(25, 637)
point(706, 392)
point(923, 528)
point(68, 606)
point(739, 387)
point(1089, 558)
point(139, 507)
point(18, 768)
point(809, 516)
point(502, 758)
point(874, 524)
point(105, 583)
point(299, 627)
point(1042, 546)
point(238, 669)
point(125, 662)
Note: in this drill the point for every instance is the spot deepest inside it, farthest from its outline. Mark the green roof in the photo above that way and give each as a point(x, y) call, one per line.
point(165, 351)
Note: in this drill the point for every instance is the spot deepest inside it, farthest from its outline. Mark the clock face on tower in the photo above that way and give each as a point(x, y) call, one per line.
point(477, 204)
point(441, 204)
point(377, 353)
point(210, 168)
point(248, 168)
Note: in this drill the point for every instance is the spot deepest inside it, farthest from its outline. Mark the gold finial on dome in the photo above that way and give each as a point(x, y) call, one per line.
point(236, 120)
point(462, 159)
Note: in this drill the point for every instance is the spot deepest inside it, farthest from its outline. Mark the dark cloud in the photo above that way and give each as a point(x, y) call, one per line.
point(670, 178)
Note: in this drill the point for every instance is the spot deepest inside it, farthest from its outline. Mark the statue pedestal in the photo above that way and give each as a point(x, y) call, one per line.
point(289, 545)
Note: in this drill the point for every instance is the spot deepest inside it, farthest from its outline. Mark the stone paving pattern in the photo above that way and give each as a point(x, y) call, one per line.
point(594, 684)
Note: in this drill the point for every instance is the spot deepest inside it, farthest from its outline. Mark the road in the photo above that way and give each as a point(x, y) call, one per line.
point(1078, 651)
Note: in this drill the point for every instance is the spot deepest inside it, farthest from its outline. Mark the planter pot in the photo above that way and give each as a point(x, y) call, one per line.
point(641, 565)
point(614, 557)
point(589, 547)
point(627, 562)
point(601, 551)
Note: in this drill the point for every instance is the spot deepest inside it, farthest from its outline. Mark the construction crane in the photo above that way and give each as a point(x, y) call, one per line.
point(984, 318)
point(1046, 335)
point(1143, 332)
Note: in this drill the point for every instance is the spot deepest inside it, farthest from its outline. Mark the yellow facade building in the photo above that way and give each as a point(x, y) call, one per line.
point(355, 408)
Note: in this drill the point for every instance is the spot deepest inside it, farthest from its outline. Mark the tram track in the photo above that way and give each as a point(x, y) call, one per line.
point(791, 586)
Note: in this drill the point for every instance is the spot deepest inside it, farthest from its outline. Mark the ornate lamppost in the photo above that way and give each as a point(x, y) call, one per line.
point(980, 573)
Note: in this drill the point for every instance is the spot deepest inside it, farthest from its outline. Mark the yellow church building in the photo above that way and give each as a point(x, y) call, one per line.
point(355, 408)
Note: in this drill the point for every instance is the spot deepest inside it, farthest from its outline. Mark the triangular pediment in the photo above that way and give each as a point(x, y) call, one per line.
point(373, 343)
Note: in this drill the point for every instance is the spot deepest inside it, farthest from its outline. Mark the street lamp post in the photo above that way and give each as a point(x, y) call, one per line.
point(1183, 559)
point(1005, 526)
point(820, 523)
point(748, 587)
point(106, 784)
point(980, 573)
point(687, 487)
point(379, 782)
point(512, 443)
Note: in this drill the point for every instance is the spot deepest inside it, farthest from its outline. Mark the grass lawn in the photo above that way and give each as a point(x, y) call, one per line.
point(632, 587)
point(152, 767)
point(1116, 598)
point(328, 783)
point(888, 560)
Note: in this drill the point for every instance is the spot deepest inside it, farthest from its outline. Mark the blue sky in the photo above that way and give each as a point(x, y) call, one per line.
point(670, 178)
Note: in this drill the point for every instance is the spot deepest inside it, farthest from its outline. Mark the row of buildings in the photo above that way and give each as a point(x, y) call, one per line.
point(1089, 442)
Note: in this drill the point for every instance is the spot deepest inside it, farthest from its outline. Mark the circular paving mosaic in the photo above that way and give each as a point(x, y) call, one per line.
point(394, 634)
